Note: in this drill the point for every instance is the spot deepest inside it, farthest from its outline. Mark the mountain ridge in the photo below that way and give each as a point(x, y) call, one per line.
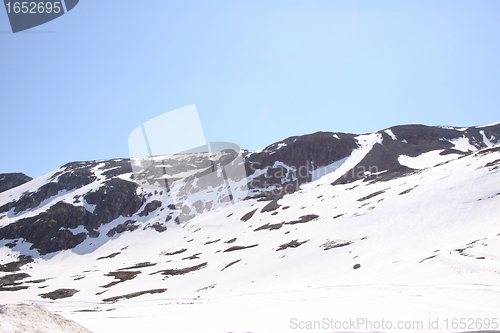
point(286, 164)
point(404, 226)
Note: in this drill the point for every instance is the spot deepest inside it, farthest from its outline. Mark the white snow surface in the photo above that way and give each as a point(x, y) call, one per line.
point(487, 140)
point(426, 160)
point(389, 132)
point(427, 244)
point(463, 144)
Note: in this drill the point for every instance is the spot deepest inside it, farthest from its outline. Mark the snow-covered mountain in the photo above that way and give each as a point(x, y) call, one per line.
point(400, 225)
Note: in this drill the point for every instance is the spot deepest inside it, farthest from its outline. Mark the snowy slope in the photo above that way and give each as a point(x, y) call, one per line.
point(400, 246)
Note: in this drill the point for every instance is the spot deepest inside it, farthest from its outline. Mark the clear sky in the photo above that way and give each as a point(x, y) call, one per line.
point(74, 88)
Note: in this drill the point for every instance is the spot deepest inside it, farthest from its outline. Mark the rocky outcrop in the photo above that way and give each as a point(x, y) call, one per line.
point(107, 190)
point(11, 180)
point(75, 175)
point(150, 207)
point(50, 231)
point(381, 163)
point(301, 153)
point(116, 197)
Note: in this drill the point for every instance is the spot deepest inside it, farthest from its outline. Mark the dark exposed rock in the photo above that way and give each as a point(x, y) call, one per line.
point(157, 226)
point(139, 265)
point(129, 225)
point(302, 153)
point(180, 271)
point(488, 150)
point(293, 244)
point(173, 253)
point(11, 180)
point(93, 233)
point(490, 164)
point(211, 242)
point(9, 282)
point(11, 245)
point(132, 295)
point(117, 197)
point(75, 175)
point(37, 281)
point(421, 261)
point(116, 167)
point(248, 215)
point(304, 219)
point(207, 287)
point(150, 207)
point(275, 226)
point(121, 276)
point(230, 264)
point(421, 139)
point(15, 287)
point(194, 256)
point(232, 240)
point(59, 293)
point(264, 196)
point(270, 226)
point(236, 248)
point(380, 163)
point(356, 266)
point(273, 205)
point(16, 265)
point(418, 139)
point(50, 232)
point(31, 200)
point(112, 255)
point(369, 196)
point(8, 206)
point(406, 191)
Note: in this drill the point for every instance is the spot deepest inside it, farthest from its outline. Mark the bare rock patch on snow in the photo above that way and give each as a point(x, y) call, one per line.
point(59, 293)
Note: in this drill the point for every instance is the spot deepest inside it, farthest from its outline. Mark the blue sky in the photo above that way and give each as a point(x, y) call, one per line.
point(258, 71)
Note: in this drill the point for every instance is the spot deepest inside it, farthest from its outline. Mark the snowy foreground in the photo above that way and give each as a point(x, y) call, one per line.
point(418, 253)
point(35, 318)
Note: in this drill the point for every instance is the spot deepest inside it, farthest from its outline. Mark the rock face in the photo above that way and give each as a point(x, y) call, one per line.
point(48, 231)
point(291, 160)
point(77, 202)
point(11, 180)
point(414, 140)
point(35, 319)
point(116, 197)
